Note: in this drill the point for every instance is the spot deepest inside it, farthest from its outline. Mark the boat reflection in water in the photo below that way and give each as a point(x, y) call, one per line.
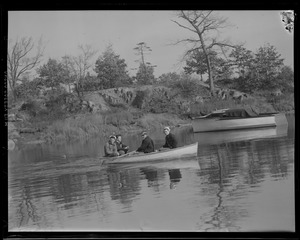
point(175, 176)
point(183, 163)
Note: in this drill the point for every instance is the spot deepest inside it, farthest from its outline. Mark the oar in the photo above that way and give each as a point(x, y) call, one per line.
point(125, 155)
point(128, 154)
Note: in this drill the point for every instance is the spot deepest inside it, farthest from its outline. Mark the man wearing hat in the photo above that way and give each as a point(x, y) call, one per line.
point(171, 141)
point(147, 144)
point(110, 148)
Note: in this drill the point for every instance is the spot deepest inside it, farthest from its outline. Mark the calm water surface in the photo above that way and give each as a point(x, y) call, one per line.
point(240, 181)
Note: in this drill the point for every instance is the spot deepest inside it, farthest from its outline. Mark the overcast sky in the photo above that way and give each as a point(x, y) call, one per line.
point(63, 31)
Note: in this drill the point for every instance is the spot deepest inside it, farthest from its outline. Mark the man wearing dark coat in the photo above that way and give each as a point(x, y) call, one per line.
point(147, 145)
point(171, 141)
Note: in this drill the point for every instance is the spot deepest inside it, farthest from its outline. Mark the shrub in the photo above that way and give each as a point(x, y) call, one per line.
point(118, 118)
point(153, 121)
point(74, 128)
point(28, 89)
point(186, 84)
point(139, 99)
point(282, 103)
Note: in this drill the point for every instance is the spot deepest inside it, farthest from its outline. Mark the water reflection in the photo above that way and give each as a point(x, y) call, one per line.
point(175, 176)
point(124, 186)
point(235, 170)
point(27, 210)
point(220, 190)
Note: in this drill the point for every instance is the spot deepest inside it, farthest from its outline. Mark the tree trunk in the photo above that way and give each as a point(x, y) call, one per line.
point(77, 91)
point(13, 90)
point(210, 74)
point(14, 95)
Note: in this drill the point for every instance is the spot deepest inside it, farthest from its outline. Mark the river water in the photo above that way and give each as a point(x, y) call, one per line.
point(240, 181)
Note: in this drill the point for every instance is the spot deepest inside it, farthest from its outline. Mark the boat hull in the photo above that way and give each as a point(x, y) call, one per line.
point(222, 124)
point(219, 137)
point(189, 150)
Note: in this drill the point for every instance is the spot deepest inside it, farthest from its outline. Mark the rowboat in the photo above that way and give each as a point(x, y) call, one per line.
point(234, 119)
point(176, 153)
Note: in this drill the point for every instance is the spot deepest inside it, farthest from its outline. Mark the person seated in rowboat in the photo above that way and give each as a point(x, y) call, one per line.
point(170, 142)
point(122, 148)
point(110, 148)
point(147, 145)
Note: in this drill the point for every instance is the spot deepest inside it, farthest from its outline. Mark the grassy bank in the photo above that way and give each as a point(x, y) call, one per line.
point(84, 126)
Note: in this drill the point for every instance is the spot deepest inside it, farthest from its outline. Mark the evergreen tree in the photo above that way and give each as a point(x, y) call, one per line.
point(111, 70)
point(52, 73)
point(145, 74)
point(267, 66)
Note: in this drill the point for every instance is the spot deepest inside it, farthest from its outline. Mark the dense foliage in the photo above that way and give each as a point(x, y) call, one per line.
point(111, 70)
point(145, 75)
point(28, 89)
point(52, 73)
point(196, 63)
point(248, 71)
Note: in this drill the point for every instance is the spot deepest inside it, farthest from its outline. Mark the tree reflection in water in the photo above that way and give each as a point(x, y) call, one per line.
point(26, 209)
point(230, 170)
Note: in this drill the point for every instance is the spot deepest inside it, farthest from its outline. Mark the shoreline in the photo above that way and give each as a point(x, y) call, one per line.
point(152, 122)
point(31, 139)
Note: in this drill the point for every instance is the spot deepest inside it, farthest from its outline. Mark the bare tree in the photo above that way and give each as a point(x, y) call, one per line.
point(20, 61)
point(203, 24)
point(145, 70)
point(141, 50)
point(78, 66)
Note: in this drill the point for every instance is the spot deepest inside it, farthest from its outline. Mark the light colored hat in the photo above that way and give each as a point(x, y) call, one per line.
point(167, 128)
point(112, 136)
point(144, 133)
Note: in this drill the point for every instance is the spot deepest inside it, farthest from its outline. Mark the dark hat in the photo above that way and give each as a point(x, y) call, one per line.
point(118, 135)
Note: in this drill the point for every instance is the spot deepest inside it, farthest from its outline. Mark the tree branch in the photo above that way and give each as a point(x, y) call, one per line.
point(204, 18)
point(220, 45)
point(180, 25)
point(187, 40)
